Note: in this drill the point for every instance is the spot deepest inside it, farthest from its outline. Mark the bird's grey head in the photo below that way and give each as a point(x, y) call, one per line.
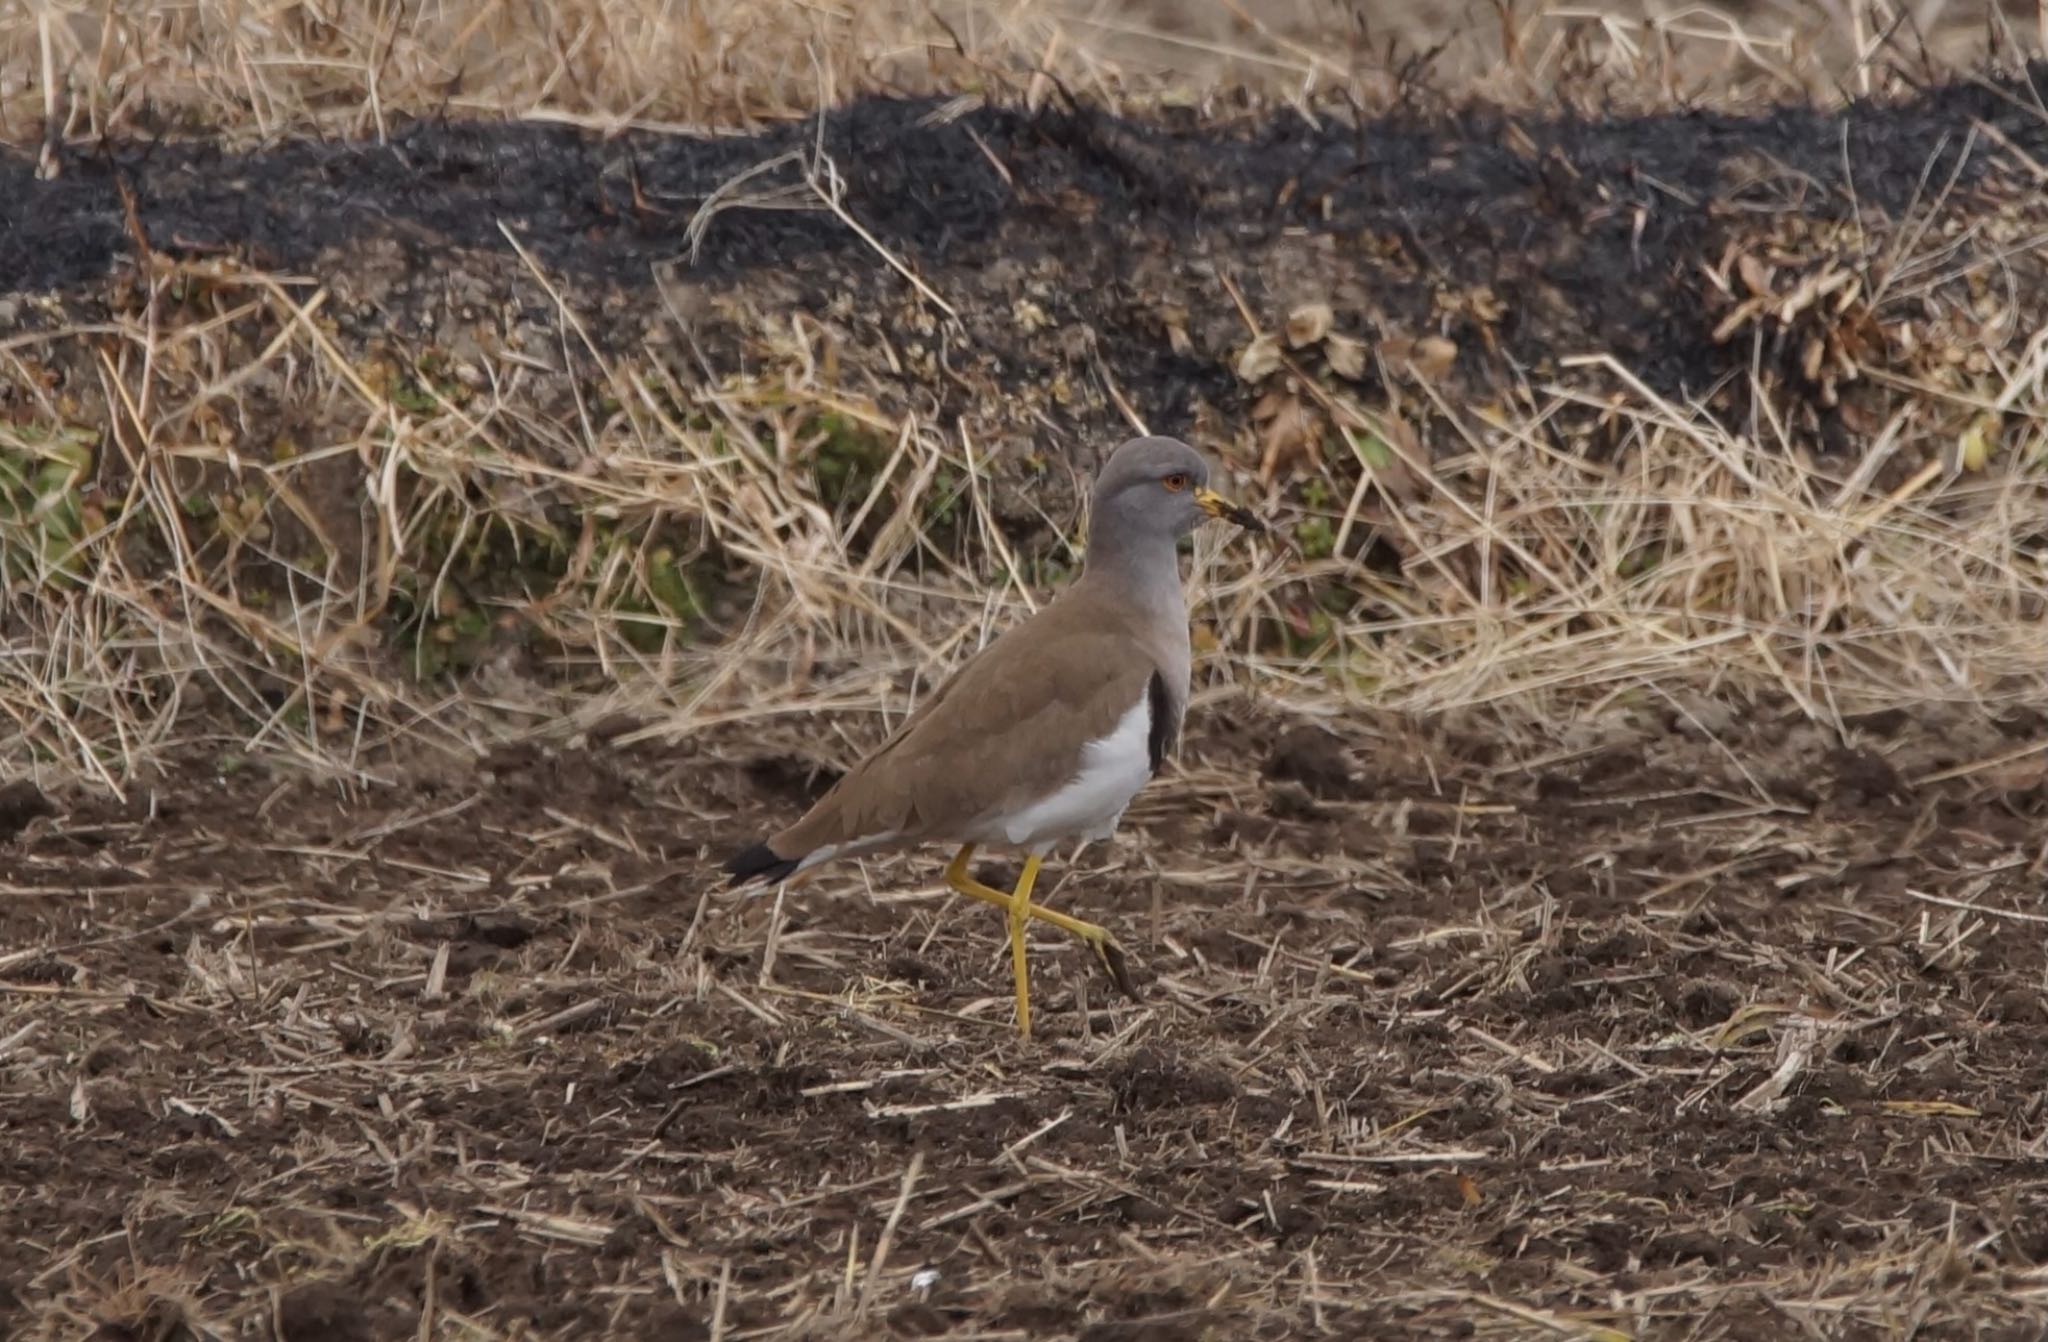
point(1151, 492)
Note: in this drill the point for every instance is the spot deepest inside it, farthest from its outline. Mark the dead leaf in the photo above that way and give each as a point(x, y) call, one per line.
point(1293, 435)
point(1468, 1189)
point(1175, 319)
point(1270, 404)
point(1309, 323)
point(1756, 275)
point(1029, 316)
point(1810, 358)
point(1433, 357)
point(1259, 360)
point(1346, 356)
point(1427, 357)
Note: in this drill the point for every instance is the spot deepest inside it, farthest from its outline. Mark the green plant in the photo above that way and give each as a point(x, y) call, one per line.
point(848, 458)
point(44, 473)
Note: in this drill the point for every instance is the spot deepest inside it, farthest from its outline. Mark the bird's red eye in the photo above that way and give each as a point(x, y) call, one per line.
point(1175, 482)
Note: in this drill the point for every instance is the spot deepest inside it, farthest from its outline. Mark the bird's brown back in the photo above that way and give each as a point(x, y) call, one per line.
point(1005, 730)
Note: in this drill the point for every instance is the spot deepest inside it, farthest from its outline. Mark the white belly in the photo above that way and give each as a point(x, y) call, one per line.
point(1088, 806)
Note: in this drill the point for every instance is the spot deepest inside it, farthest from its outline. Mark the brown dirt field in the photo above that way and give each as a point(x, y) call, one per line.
point(1442, 1034)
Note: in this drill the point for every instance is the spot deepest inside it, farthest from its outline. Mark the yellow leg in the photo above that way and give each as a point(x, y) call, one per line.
point(1097, 939)
point(1020, 913)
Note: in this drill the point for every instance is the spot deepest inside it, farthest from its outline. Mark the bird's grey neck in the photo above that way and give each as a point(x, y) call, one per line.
point(1146, 576)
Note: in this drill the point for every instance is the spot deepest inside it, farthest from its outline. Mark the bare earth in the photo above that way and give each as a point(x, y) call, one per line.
point(1441, 1036)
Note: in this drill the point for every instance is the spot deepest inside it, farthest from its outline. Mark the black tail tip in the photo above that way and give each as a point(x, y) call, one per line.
point(759, 861)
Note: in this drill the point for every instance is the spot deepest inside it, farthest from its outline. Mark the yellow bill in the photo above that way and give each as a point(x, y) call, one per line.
point(1217, 506)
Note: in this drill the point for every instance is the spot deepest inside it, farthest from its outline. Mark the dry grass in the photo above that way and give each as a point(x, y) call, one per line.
point(265, 68)
point(665, 549)
point(1705, 552)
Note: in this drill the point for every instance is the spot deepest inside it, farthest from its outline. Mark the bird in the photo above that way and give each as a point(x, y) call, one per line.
point(1046, 734)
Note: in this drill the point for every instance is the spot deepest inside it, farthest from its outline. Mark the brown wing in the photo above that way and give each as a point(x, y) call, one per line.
point(1005, 730)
